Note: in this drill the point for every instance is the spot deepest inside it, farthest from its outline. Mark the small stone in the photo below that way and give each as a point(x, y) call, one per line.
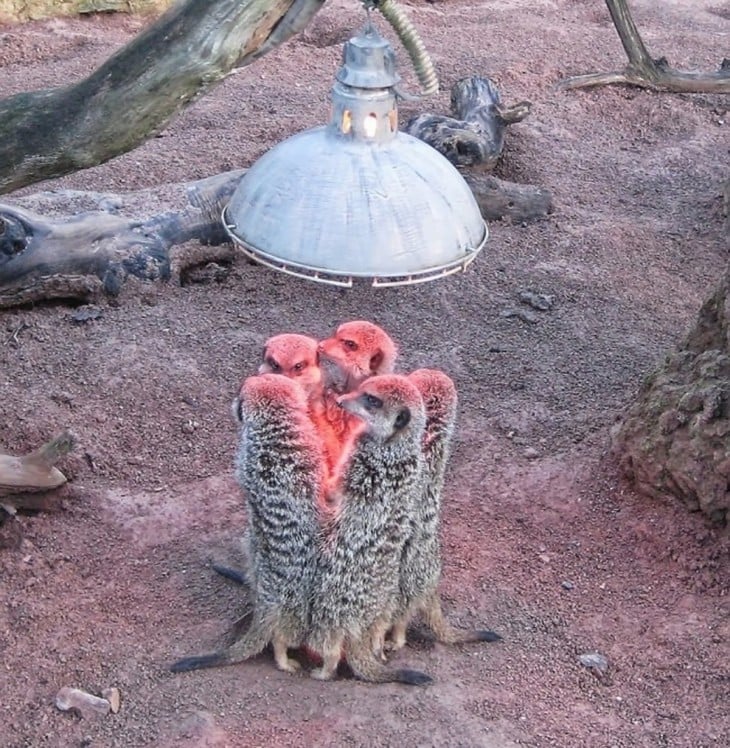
point(594, 661)
point(540, 301)
point(531, 453)
point(189, 427)
point(114, 697)
point(85, 703)
point(544, 558)
point(86, 313)
point(522, 314)
point(566, 585)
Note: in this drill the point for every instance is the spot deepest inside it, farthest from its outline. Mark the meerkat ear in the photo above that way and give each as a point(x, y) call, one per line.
point(402, 419)
point(376, 361)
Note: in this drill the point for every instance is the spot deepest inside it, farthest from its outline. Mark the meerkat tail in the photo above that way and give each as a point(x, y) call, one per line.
point(198, 662)
point(368, 667)
point(239, 577)
point(445, 632)
point(253, 642)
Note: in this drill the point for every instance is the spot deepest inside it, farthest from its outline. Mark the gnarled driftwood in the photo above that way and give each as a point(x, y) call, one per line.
point(135, 93)
point(646, 72)
point(473, 139)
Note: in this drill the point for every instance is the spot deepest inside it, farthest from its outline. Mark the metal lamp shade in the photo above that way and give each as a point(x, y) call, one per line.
point(357, 198)
point(333, 210)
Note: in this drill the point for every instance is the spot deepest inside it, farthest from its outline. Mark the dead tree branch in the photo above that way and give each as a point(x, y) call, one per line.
point(644, 71)
point(473, 139)
point(97, 249)
point(137, 91)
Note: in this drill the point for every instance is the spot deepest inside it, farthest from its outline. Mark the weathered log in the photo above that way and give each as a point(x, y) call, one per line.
point(646, 72)
point(96, 251)
point(474, 136)
point(518, 203)
point(134, 94)
point(674, 440)
point(23, 477)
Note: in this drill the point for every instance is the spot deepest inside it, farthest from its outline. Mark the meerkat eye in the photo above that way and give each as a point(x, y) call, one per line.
point(351, 345)
point(299, 367)
point(373, 402)
point(402, 419)
point(273, 365)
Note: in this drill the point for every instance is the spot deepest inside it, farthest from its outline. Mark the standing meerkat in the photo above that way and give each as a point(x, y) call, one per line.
point(420, 566)
point(294, 356)
point(359, 349)
point(380, 475)
point(280, 468)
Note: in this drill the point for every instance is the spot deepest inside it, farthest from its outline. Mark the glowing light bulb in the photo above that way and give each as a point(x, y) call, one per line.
point(370, 125)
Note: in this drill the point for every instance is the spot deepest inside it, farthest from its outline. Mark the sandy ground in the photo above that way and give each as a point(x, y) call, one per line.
point(542, 540)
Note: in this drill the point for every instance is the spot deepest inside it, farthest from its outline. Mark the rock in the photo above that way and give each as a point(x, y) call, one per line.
point(566, 585)
point(189, 426)
point(540, 301)
point(531, 453)
point(114, 697)
point(84, 703)
point(521, 314)
point(86, 313)
point(594, 661)
point(674, 440)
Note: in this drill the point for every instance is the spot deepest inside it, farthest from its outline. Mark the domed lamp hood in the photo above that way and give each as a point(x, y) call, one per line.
point(357, 199)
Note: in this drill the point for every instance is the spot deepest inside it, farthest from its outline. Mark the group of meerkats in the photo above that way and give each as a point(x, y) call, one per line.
point(342, 465)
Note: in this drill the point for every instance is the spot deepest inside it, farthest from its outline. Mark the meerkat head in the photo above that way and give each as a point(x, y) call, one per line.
point(437, 390)
point(388, 405)
point(295, 357)
point(262, 391)
point(358, 349)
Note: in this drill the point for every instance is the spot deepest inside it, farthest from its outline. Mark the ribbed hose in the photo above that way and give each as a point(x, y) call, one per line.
point(422, 64)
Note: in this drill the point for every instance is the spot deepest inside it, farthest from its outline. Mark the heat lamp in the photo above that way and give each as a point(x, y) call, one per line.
point(356, 199)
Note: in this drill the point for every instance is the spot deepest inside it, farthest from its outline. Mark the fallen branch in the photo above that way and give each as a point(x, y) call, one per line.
point(474, 138)
point(96, 251)
point(646, 72)
point(21, 477)
point(108, 239)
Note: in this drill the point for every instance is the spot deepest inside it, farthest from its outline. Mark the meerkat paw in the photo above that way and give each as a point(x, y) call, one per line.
point(321, 673)
point(398, 636)
point(281, 656)
point(288, 665)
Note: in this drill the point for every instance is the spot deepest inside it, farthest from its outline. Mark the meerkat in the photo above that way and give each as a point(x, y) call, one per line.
point(380, 476)
point(293, 356)
point(420, 565)
point(358, 349)
point(280, 468)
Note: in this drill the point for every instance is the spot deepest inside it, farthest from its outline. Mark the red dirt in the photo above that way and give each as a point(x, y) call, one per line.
point(113, 588)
